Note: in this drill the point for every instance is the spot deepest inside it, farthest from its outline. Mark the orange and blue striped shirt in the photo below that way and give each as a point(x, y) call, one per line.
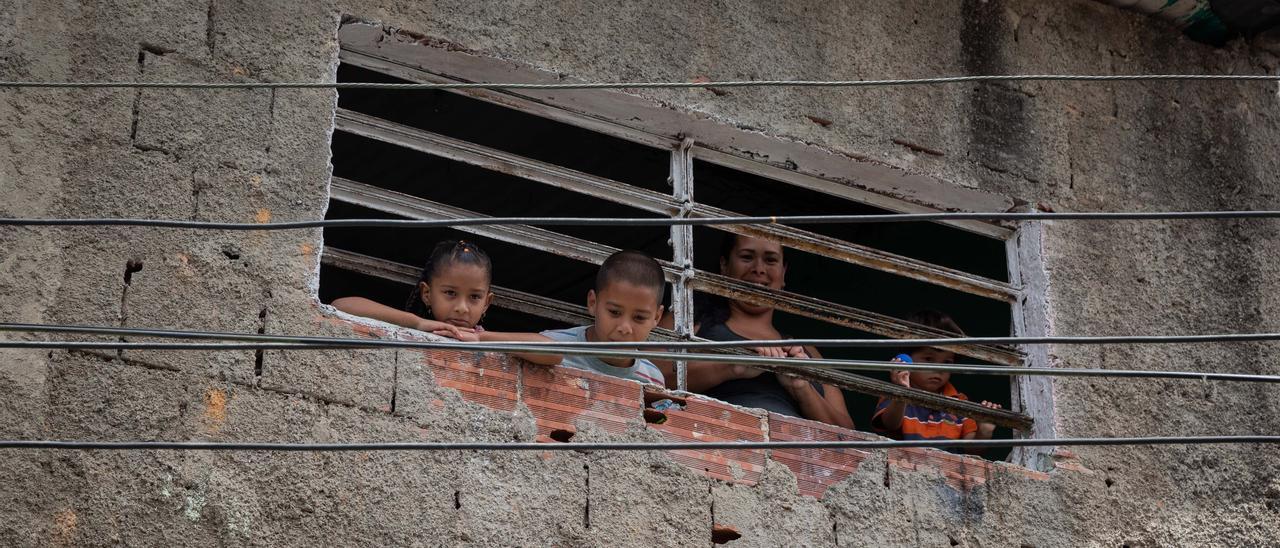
point(922, 423)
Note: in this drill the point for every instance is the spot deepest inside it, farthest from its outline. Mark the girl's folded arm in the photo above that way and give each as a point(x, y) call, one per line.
point(360, 306)
point(365, 308)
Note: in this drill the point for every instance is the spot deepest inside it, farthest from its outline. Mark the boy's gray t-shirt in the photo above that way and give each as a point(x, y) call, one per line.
point(641, 370)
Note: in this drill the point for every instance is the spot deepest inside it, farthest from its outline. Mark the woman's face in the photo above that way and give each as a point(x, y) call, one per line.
point(755, 261)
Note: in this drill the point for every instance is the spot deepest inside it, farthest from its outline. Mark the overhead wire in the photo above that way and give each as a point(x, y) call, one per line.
point(624, 446)
point(652, 221)
point(835, 343)
point(291, 342)
point(410, 86)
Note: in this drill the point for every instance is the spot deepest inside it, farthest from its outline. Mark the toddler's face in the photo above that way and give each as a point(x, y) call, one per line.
point(932, 381)
point(458, 295)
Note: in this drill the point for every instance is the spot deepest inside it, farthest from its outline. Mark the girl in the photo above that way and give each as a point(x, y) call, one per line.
point(452, 291)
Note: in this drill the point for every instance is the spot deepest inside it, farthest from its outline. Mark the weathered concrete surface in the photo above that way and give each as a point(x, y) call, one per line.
point(254, 155)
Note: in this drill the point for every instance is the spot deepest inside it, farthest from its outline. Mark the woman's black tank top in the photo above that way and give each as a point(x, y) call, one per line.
point(763, 391)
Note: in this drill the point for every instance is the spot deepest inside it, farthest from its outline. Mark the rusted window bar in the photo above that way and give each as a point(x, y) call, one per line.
point(369, 56)
point(413, 207)
point(622, 193)
point(562, 311)
point(682, 253)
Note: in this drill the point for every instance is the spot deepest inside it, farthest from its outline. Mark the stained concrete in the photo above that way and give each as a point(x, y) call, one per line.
point(255, 155)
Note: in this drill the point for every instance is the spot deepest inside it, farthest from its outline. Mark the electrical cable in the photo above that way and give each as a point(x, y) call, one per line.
point(834, 343)
point(289, 342)
point(654, 221)
point(409, 86)
point(623, 446)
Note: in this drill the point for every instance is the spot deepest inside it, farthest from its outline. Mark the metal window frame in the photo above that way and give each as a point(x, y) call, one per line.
point(644, 121)
point(413, 207)
point(621, 193)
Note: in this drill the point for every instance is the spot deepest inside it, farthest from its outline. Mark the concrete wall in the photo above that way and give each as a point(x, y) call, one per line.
point(259, 155)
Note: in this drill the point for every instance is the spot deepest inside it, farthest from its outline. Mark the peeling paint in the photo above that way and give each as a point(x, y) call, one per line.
point(215, 411)
point(65, 522)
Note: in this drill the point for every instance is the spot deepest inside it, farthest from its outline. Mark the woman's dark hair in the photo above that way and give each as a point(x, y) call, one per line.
point(714, 309)
point(447, 253)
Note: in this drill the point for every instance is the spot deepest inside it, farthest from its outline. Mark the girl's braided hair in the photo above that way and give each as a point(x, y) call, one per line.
point(447, 253)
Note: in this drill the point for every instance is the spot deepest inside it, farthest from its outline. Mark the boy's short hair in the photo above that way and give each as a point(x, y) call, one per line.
point(634, 267)
point(935, 319)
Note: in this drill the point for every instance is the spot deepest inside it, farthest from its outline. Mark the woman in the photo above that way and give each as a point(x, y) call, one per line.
point(758, 262)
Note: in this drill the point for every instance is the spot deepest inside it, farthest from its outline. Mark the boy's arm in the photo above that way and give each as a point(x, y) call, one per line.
point(979, 430)
point(540, 359)
point(891, 417)
point(360, 306)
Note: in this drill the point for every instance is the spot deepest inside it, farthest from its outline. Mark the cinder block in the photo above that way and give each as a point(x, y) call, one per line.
point(205, 127)
point(642, 499)
point(815, 469)
point(560, 398)
point(363, 378)
point(707, 420)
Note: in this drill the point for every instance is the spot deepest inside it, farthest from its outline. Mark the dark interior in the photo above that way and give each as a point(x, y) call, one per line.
point(492, 193)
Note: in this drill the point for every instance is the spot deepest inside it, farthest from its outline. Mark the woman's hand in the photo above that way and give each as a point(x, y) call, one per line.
point(748, 372)
point(744, 371)
point(793, 384)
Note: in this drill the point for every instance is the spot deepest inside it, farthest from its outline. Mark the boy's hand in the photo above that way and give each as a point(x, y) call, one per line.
point(902, 378)
point(744, 371)
point(986, 429)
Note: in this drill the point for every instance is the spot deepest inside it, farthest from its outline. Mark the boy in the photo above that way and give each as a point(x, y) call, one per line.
point(900, 420)
point(626, 304)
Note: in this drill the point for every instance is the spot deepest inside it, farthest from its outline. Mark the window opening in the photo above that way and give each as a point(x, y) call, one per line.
point(428, 154)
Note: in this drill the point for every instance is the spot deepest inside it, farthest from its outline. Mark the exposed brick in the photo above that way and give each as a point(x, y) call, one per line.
point(486, 379)
point(560, 398)
point(709, 420)
point(815, 469)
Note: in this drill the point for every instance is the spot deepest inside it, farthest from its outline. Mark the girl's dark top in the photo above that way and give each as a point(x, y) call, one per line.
point(763, 391)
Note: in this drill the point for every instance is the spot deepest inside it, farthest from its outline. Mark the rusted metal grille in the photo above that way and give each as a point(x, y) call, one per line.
point(576, 314)
point(370, 52)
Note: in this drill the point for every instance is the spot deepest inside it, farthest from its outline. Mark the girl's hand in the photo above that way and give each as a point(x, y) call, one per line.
point(467, 334)
point(442, 329)
point(986, 429)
